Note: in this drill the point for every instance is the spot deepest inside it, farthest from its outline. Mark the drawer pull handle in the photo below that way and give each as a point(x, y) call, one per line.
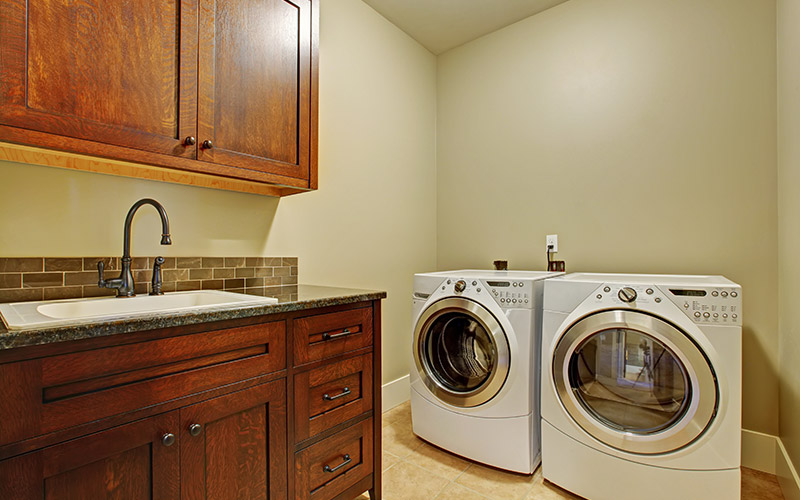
point(328, 336)
point(347, 460)
point(342, 394)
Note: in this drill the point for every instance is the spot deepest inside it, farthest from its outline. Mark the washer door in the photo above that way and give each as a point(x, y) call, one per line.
point(635, 382)
point(461, 352)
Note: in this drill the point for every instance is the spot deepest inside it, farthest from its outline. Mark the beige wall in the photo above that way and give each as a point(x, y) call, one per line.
point(369, 225)
point(642, 133)
point(789, 223)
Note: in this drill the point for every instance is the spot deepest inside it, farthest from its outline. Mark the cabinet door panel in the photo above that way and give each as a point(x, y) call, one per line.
point(255, 84)
point(127, 463)
point(240, 451)
point(118, 72)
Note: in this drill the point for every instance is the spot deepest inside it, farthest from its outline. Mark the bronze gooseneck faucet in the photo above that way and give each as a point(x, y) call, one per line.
point(124, 284)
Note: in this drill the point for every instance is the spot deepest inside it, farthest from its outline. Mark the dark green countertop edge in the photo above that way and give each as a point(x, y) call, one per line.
point(308, 297)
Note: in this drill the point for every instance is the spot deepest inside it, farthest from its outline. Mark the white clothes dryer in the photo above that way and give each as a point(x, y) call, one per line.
point(475, 364)
point(641, 386)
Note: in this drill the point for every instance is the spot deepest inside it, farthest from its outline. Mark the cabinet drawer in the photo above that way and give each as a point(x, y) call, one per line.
point(329, 467)
point(71, 389)
point(331, 394)
point(325, 335)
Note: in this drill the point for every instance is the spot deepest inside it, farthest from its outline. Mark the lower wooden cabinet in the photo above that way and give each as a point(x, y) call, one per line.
point(230, 447)
point(209, 412)
point(234, 446)
point(140, 460)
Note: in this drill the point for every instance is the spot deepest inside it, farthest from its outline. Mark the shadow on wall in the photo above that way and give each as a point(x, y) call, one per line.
point(65, 213)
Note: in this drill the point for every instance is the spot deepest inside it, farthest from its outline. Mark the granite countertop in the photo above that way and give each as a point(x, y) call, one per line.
point(307, 297)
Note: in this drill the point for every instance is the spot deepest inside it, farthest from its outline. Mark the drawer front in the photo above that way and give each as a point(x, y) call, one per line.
point(72, 389)
point(325, 335)
point(329, 467)
point(332, 394)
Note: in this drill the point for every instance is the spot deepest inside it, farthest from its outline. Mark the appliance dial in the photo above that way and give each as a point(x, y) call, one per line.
point(627, 294)
point(460, 286)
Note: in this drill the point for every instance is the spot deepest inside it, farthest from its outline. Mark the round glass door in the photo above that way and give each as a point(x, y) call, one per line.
point(461, 352)
point(635, 382)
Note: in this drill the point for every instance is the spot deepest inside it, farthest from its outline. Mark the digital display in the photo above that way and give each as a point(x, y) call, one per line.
point(498, 283)
point(688, 293)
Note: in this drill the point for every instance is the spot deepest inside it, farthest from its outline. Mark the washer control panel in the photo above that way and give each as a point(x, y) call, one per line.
point(703, 305)
point(511, 293)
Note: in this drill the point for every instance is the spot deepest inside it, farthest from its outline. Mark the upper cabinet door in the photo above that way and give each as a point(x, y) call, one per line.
point(255, 85)
point(120, 72)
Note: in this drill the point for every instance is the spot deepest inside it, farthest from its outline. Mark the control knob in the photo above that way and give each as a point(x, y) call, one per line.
point(627, 294)
point(460, 286)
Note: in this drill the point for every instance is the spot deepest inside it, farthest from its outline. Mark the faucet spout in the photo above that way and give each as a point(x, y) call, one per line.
point(124, 284)
point(166, 239)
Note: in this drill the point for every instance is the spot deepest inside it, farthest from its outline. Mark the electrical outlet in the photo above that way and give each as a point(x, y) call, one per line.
point(552, 240)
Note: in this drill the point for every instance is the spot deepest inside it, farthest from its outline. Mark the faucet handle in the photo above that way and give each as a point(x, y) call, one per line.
point(101, 283)
point(155, 284)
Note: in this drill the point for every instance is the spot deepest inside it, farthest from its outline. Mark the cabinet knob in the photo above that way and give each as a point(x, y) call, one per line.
point(195, 429)
point(189, 141)
point(168, 439)
point(207, 144)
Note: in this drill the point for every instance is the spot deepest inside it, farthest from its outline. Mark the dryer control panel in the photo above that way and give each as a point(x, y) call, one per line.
point(704, 305)
point(709, 305)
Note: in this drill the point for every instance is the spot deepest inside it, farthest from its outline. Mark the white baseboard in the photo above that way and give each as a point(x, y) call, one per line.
point(787, 474)
point(758, 451)
point(395, 393)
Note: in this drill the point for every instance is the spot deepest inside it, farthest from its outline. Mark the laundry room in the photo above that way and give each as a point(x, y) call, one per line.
point(536, 201)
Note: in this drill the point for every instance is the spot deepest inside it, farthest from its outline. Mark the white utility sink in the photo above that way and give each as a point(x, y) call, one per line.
point(53, 313)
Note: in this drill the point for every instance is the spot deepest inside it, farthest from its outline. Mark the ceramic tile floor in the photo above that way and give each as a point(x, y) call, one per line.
point(415, 470)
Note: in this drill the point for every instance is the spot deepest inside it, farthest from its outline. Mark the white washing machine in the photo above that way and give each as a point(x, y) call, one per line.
point(641, 386)
point(475, 364)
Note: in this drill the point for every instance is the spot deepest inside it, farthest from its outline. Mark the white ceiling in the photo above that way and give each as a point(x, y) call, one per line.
point(440, 25)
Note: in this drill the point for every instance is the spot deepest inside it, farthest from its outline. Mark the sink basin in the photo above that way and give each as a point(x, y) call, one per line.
point(52, 313)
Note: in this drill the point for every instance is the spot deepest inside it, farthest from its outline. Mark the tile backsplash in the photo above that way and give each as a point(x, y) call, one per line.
point(46, 278)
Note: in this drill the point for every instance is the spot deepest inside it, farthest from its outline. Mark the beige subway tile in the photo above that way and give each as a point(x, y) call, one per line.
point(185, 286)
point(263, 272)
point(40, 280)
point(213, 284)
point(201, 274)
point(10, 280)
point(224, 273)
point(63, 292)
point(189, 262)
point(63, 264)
point(21, 265)
point(234, 261)
point(254, 261)
point(20, 294)
point(213, 262)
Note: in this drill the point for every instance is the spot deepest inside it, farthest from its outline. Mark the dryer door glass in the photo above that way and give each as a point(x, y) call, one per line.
point(461, 352)
point(635, 382)
point(630, 381)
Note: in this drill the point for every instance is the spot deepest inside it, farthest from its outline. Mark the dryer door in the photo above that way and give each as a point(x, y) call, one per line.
point(461, 352)
point(635, 382)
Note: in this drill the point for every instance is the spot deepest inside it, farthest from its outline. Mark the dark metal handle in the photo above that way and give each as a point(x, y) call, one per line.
point(100, 267)
point(207, 144)
point(189, 141)
point(195, 429)
point(328, 336)
point(342, 394)
point(168, 439)
point(155, 282)
point(328, 468)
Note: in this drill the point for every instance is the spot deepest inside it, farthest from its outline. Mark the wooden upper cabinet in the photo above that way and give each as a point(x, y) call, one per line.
point(255, 84)
point(120, 72)
point(133, 79)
